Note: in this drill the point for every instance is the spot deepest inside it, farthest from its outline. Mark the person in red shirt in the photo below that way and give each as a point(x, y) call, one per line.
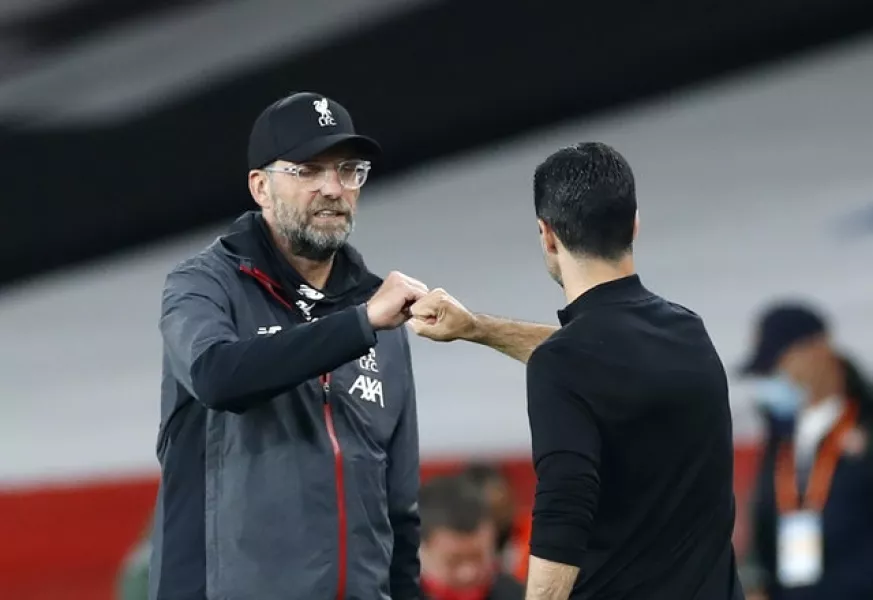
point(458, 544)
point(513, 524)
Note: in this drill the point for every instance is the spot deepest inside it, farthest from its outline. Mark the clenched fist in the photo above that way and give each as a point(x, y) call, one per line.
point(389, 306)
point(440, 317)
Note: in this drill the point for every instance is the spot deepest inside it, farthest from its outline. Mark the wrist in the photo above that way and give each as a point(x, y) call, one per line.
point(477, 330)
point(367, 318)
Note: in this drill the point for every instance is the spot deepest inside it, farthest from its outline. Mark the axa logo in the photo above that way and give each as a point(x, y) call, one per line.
point(369, 389)
point(269, 330)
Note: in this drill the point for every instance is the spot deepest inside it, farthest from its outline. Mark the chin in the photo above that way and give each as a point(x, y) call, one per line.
point(338, 231)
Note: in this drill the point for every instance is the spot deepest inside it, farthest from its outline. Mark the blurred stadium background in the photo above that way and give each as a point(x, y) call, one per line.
point(123, 126)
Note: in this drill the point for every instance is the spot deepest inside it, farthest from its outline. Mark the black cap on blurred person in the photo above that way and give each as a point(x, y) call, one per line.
point(301, 126)
point(779, 328)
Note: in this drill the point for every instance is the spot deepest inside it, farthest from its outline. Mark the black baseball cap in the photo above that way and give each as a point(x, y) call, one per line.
point(779, 328)
point(301, 126)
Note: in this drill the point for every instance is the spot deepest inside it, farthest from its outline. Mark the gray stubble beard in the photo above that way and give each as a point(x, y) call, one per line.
point(308, 242)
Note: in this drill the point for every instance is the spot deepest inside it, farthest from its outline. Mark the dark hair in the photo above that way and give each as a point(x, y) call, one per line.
point(483, 474)
point(587, 194)
point(451, 502)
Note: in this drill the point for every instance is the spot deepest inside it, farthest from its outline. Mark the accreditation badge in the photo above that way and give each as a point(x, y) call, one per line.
point(800, 551)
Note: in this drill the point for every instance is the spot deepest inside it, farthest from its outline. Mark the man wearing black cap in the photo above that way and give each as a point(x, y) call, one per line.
point(813, 515)
point(288, 440)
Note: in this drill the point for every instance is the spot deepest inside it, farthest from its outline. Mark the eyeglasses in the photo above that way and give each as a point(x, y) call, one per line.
point(352, 174)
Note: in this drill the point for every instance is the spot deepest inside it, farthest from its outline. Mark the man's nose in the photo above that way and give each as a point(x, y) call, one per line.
point(467, 574)
point(331, 188)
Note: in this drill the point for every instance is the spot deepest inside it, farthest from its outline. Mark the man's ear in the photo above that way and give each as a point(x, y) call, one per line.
point(259, 187)
point(636, 224)
point(547, 237)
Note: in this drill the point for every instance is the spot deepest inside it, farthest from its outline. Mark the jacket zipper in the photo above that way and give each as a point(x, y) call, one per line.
point(271, 286)
point(340, 488)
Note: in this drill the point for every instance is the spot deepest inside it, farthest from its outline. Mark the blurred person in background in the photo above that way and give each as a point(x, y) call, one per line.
point(513, 526)
point(458, 544)
point(812, 514)
point(133, 578)
point(631, 428)
point(287, 469)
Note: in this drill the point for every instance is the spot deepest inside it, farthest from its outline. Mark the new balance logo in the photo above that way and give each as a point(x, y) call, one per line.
point(269, 330)
point(370, 389)
point(309, 293)
point(306, 309)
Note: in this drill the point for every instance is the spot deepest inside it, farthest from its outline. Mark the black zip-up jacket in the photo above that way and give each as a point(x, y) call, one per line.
point(288, 440)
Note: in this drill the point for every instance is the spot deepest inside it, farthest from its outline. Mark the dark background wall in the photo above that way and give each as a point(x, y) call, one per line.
point(751, 190)
point(439, 79)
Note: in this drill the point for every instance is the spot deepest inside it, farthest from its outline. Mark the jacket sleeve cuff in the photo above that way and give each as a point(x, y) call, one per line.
point(564, 556)
point(366, 327)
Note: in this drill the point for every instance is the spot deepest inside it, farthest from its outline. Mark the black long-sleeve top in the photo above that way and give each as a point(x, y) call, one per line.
point(632, 444)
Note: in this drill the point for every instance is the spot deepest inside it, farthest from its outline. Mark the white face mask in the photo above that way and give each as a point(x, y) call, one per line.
point(780, 396)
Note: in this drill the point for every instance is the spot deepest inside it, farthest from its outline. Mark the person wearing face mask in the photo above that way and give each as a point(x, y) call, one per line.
point(812, 515)
point(458, 543)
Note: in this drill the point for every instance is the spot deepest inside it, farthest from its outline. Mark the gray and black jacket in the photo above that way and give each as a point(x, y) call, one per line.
point(289, 438)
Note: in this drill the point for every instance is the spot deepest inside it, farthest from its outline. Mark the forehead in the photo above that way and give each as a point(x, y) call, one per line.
point(446, 540)
point(336, 154)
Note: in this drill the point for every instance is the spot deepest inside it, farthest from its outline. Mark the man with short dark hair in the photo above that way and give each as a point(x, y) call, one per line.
point(458, 558)
point(586, 196)
point(288, 471)
point(628, 405)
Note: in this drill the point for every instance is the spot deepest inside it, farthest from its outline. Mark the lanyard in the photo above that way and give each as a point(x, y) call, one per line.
point(823, 467)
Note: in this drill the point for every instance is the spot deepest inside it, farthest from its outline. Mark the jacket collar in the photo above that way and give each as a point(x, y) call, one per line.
point(249, 242)
point(617, 291)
